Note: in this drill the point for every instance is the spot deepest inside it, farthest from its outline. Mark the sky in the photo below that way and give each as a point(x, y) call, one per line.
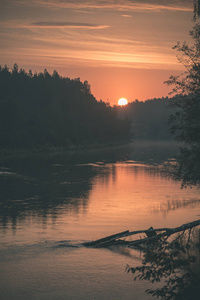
point(123, 48)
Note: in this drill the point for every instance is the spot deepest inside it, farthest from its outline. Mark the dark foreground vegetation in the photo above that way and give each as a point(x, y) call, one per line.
point(174, 264)
point(44, 110)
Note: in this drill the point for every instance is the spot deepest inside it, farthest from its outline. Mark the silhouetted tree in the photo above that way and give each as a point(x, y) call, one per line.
point(186, 120)
point(196, 9)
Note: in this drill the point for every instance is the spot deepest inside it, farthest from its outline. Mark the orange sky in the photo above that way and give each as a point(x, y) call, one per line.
point(123, 48)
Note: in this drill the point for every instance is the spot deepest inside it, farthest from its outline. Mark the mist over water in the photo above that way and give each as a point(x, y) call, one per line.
point(50, 205)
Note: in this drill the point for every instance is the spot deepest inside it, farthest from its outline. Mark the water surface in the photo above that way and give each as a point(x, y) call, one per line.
point(50, 205)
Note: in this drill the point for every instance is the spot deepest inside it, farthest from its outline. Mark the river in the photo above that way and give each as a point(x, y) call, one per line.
point(51, 204)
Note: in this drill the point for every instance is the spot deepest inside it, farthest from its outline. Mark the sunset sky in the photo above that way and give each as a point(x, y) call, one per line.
point(123, 48)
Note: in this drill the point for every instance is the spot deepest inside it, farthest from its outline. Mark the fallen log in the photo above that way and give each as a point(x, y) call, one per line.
point(151, 234)
point(104, 241)
point(168, 232)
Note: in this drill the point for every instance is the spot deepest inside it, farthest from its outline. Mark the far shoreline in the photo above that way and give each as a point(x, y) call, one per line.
point(6, 153)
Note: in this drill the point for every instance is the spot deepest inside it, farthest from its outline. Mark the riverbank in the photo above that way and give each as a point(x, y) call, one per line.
point(51, 151)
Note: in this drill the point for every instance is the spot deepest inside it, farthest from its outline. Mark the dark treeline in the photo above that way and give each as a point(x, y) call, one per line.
point(149, 119)
point(42, 110)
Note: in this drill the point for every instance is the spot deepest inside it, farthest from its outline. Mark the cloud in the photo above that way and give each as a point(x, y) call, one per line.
point(126, 5)
point(67, 24)
point(126, 16)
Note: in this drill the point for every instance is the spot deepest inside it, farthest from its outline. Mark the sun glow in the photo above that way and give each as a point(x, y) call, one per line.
point(122, 101)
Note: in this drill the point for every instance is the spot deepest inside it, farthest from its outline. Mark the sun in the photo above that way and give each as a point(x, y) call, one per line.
point(122, 101)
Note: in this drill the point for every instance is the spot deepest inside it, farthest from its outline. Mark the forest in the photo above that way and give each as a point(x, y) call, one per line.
point(149, 119)
point(44, 110)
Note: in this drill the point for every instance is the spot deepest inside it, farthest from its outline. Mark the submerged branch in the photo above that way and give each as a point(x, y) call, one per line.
point(151, 236)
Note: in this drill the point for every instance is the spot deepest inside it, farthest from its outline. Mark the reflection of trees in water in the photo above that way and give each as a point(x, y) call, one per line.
point(107, 173)
point(175, 204)
point(43, 187)
point(174, 267)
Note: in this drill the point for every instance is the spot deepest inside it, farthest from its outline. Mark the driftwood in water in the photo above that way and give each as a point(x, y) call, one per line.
point(104, 241)
point(167, 232)
point(152, 235)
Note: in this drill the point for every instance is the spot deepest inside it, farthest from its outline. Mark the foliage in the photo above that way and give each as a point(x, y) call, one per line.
point(188, 82)
point(196, 9)
point(186, 119)
point(42, 110)
point(174, 265)
point(186, 126)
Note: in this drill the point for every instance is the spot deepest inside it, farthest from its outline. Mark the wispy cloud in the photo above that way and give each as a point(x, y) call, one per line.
point(97, 58)
point(126, 16)
point(130, 5)
point(67, 24)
